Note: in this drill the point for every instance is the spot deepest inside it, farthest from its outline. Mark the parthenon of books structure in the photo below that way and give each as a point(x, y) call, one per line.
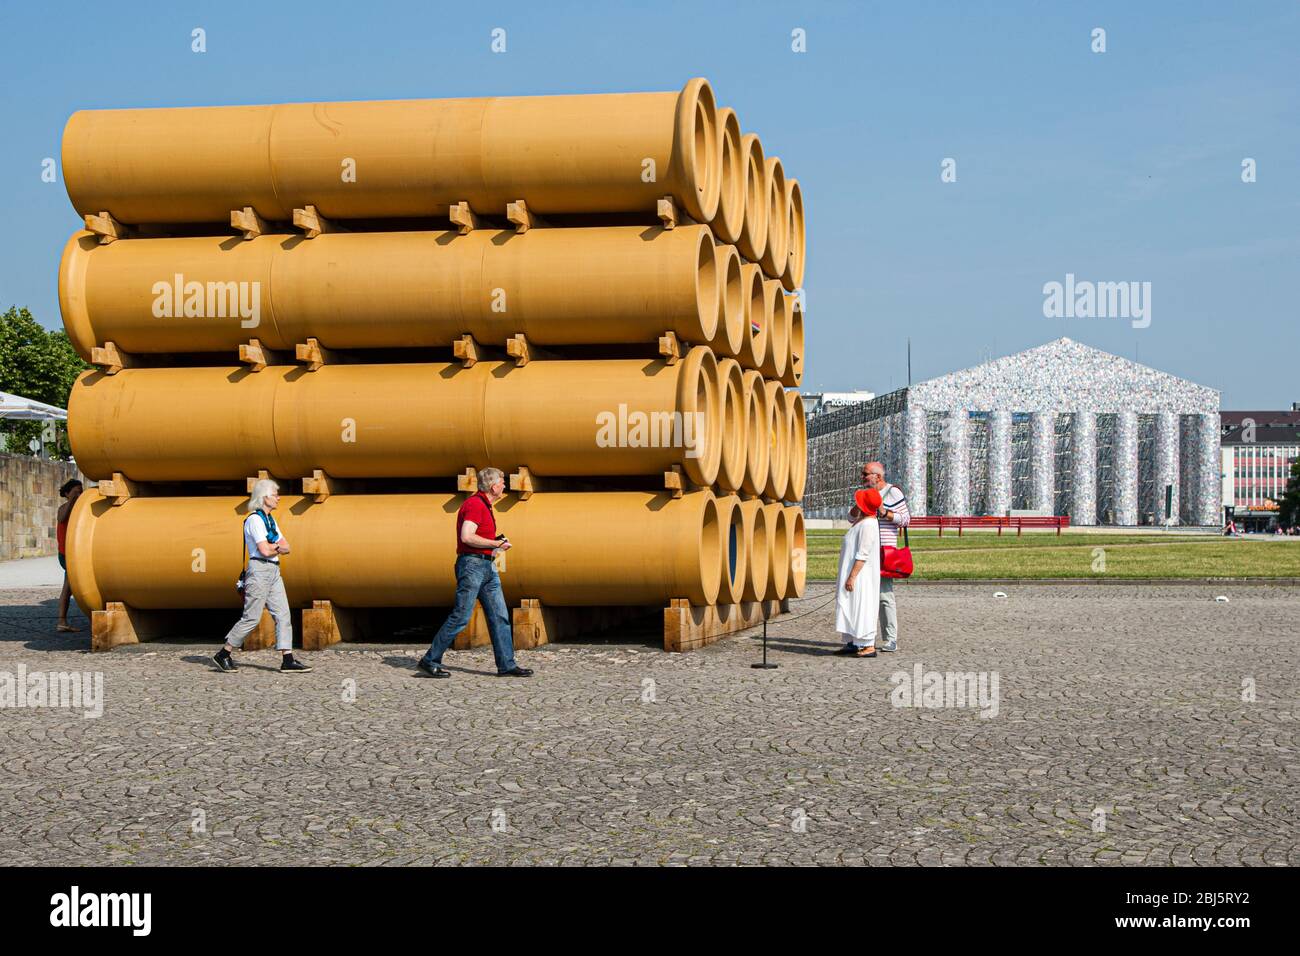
point(1061, 429)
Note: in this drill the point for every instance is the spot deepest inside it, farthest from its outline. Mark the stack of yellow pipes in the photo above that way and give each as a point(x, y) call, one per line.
point(277, 289)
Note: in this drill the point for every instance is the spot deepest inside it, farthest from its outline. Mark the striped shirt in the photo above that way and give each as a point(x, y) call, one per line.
point(892, 498)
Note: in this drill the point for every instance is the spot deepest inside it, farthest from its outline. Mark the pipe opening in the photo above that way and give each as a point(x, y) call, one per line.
point(710, 551)
point(779, 568)
point(706, 289)
point(759, 555)
point(731, 188)
point(774, 257)
point(794, 354)
point(798, 553)
point(753, 231)
point(798, 448)
point(697, 400)
point(728, 338)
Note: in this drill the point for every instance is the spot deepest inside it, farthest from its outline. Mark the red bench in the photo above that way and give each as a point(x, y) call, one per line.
point(989, 521)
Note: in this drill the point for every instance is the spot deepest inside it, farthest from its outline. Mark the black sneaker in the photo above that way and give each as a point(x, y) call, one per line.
point(432, 670)
point(846, 650)
point(224, 661)
point(291, 666)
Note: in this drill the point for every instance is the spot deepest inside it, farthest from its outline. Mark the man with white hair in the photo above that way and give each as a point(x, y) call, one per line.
point(261, 582)
point(477, 544)
point(893, 515)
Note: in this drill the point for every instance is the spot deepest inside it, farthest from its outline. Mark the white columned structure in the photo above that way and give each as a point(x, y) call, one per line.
point(1083, 475)
point(915, 439)
point(999, 453)
point(1207, 486)
point(1126, 468)
point(954, 496)
point(1165, 467)
point(1042, 460)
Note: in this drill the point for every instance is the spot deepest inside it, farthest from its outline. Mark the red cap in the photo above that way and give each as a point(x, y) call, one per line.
point(867, 500)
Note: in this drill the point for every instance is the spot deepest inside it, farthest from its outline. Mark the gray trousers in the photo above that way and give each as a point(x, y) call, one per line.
point(888, 612)
point(263, 588)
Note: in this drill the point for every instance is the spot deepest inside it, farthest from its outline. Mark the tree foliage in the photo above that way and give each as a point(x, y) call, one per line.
point(1289, 504)
point(38, 364)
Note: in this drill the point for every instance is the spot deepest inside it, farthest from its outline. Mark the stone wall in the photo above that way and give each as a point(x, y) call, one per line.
point(29, 503)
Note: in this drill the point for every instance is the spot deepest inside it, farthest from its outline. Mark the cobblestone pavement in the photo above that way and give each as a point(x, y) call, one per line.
point(1118, 706)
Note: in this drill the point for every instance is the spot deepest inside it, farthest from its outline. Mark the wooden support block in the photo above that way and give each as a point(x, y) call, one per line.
point(324, 623)
point(517, 349)
point(110, 358)
point(112, 627)
point(467, 482)
point(688, 627)
point(675, 481)
point(264, 636)
point(476, 634)
point(670, 347)
point(253, 355)
point(529, 624)
point(121, 624)
point(464, 218)
point(319, 485)
point(248, 222)
point(106, 227)
point(668, 213)
point(524, 482)
point(523, 218)
point(466, 350)
point(313, 223)
point(118, 488)
point(314, 354)
point(261, 474)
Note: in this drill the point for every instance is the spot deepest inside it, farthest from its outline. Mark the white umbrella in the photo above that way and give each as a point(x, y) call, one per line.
point(28, 409)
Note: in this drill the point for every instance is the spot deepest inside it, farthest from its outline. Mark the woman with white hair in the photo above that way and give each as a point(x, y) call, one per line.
point(261, 582)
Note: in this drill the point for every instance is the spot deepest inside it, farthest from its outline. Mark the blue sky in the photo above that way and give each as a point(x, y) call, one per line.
point(1115, 166)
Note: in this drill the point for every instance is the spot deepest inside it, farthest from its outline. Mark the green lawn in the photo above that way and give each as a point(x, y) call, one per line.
point(1076, 555)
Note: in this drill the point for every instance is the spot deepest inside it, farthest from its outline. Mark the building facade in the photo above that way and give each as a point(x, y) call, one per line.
point(1258, 450)
point(1060, 429)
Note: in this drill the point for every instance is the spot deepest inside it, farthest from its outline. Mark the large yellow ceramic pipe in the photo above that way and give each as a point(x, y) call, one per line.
point(398, 550)
point(753, 230)
point(736, 549)
point(776, 309)
point(795, 345)
point(398, 289)
point(798, 432)
point(608, 153)
point(729, 332)
point(760, 549)
point(758, 448)
point(731, 197)
point(798, 576)
point(734, 421)
point(624, 417)
point(753, 345)
point(778, 535)
point(778, 221)
point(778, 472)
point(792, 277)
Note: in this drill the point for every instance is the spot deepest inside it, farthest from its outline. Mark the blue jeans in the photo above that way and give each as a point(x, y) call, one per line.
point(476, 580)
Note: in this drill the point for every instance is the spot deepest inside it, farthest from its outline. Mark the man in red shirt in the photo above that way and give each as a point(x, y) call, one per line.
point(477, 543)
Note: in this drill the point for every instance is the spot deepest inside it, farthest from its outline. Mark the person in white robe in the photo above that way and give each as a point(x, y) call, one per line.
point(857, 604)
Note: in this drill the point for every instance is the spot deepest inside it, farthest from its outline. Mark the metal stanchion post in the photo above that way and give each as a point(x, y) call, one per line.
point(765, 666)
